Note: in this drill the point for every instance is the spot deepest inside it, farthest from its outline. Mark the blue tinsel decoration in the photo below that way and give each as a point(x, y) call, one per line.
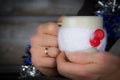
point(110, 11)
point(27, 57)
point(27, 69)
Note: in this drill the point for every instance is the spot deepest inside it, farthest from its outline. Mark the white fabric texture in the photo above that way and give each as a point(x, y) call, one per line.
point(72, 39)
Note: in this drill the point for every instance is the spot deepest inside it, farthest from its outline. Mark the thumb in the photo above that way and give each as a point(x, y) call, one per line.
point(81, 57)
point(61, 58)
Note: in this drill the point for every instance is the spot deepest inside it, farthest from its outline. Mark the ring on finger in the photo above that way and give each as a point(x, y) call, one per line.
point(46, 51)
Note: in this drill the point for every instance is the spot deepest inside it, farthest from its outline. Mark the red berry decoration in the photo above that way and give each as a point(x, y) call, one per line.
point(99, 33)
point(94, 42)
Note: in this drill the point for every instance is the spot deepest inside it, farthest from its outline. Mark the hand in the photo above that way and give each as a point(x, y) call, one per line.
point(45, 36)
point(85, 66)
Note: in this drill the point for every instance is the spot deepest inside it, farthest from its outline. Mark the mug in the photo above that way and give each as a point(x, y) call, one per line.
point(82, 34)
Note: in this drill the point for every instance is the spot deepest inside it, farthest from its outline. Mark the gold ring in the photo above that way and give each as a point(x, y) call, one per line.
point(46, 51)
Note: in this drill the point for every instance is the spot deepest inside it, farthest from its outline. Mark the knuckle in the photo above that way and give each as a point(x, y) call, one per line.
point(35, 50)
point(32, 39)
point(54, 52)
point(51, 26)
point(32, 50)
point(35, 39)
point(39, 28)
point(35, 61)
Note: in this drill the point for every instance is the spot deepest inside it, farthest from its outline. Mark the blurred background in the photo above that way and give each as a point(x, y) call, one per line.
point(20, 18)
point(18, 22)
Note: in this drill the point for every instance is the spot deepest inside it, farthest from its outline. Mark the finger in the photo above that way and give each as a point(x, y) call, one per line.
point(53, 52)
point(48, 28)
point(40, 51)
point(61, 57)
point(95, 63)
point(37, 51)
point(43, 61)
point(47, 62)
point(75, 68)
point(85, 70)
point(68, 67)
point(44, 40)
point(81, 57)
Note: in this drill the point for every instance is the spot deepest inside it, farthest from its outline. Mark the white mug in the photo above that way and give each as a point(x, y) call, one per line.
point(82, 33)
